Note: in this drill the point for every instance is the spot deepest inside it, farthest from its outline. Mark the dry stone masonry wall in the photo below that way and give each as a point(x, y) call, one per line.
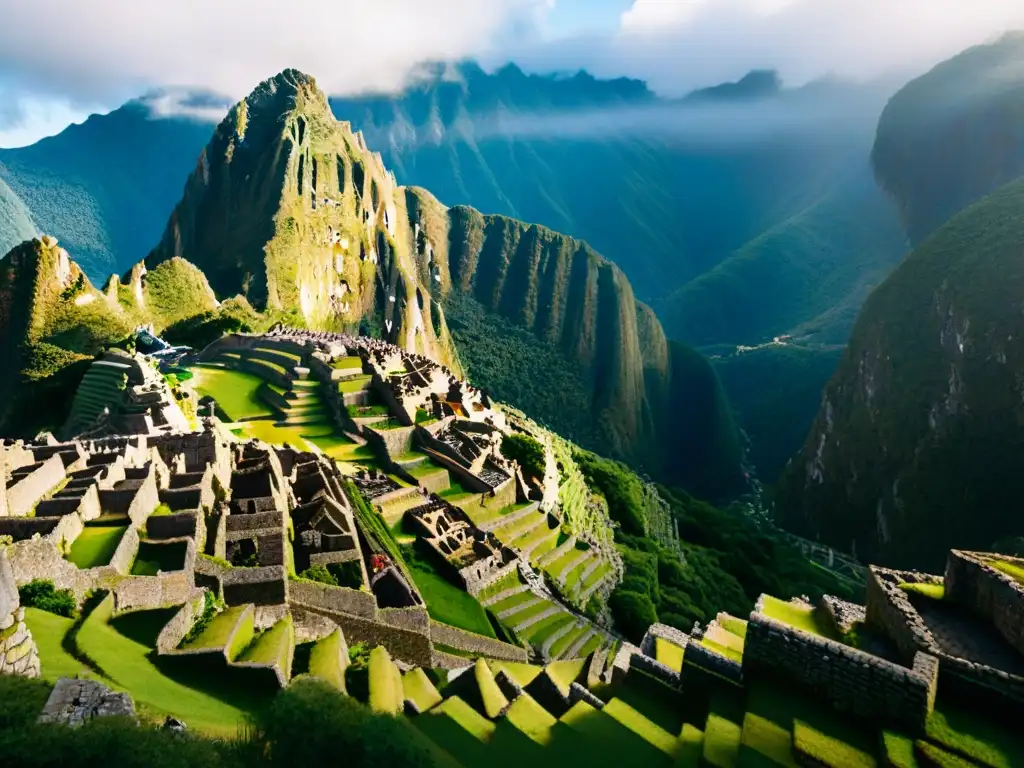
point(18, 652)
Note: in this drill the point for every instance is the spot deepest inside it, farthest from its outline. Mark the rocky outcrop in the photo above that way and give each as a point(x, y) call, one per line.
point(74, 702)
point(18, 652)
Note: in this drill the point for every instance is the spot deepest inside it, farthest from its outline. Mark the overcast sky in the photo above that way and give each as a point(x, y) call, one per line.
point(61, 59)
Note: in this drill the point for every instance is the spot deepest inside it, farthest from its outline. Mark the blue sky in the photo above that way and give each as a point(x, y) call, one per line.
point(572, 17)
point(95, 55)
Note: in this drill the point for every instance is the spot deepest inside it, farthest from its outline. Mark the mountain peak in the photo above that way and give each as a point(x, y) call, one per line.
point(756, 84)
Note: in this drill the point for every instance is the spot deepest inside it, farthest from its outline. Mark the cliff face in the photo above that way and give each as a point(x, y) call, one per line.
point(917, 445)
point(953, 135)
point(289, 208)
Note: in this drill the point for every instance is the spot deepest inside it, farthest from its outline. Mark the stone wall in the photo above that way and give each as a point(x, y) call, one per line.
point(403, 644)
point(990, 594)
point(700, 655)
point(474, 643)
point(123, 557)
point(648, 646)
point(415, 619)
point(23, 495)
point(259, 586)
point(174, 631)
point(890, 611)
point(850, 680)
point(335, 599)
point(18, 652)
point(181, 525)
point(389, 442)
point(165, 589)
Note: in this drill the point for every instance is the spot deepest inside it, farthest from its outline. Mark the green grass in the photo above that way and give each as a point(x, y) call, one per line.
point(271, 647)
point(325, 661)
point(448, 604)
point(354, 384)
point(669, 654)
point(1010, 569)
point(737, 626)
point(564, 673)
point(153, 558)
point(218, 631)
point(960, 729)
point(640, 725)
point(386, 691)
point(531, 718)
point(899, 750)
point(234, 391)
point(934, 591)
point(202, 691)
point(347, 363)
point(796, 616)
point(767, 739)
point(96, 544)
point(418, 689)
point(721, 741)
point(49, 631)
point(493, 699)
point(828, 750)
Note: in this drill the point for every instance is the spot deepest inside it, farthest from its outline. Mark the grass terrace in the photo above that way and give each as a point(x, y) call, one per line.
point(236, 392)
point(797, 616)
point(669, 654)
point(933, 591)
point(97, 542)
point(49, 631)
point(347, 363)
point(448, 604)
point(203, 691)
point(354, 384)
point(1010, 569)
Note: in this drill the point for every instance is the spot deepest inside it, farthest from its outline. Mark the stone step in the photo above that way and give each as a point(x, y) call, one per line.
point(545, 649)
point(557, 552)
point(573, 651)
point(568, 567)
point(511, 592)
point(508, 612)
point(512, 517)
point(554, 609)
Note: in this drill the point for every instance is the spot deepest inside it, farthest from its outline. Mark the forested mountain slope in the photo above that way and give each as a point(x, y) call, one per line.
point(917, 445)
point(15, 220)
point(104, 188)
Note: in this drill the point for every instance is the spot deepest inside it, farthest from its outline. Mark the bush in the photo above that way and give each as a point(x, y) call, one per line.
point(42, 594)
point(527, 451)
point(310, 723)
point(319, 573)
point(348, 574)
point(633, 613)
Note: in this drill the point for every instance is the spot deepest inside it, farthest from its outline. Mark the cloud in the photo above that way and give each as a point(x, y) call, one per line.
point(681, 44)
point(108, 50)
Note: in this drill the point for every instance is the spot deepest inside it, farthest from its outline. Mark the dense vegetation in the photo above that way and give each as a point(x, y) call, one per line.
point(931, 381)
point(968, 111)
point(723, 561)
point(776, 391)
point(527, 451)
point(309, 723)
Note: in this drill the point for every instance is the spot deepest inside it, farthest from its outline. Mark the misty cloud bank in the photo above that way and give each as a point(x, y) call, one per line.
point(98, 54)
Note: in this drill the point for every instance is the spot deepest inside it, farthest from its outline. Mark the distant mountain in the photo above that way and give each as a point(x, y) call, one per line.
point(104, 188)
point(16, 223)
point(289, 208)
point(954, 135)
point(918, 443)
